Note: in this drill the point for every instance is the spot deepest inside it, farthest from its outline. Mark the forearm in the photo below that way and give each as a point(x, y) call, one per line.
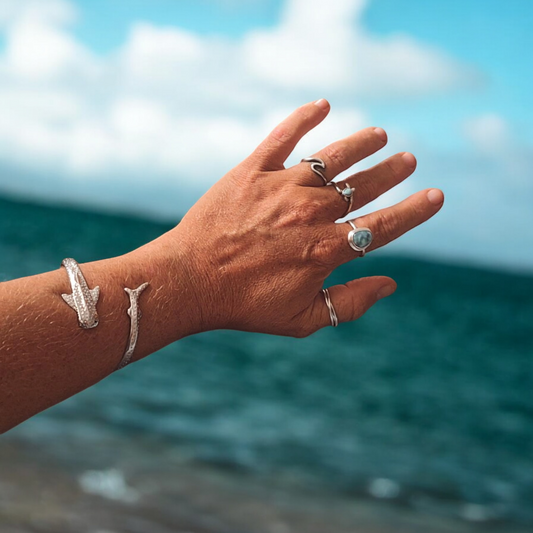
point(45, 357)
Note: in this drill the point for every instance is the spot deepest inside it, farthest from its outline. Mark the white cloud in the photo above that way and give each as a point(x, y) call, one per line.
point(329, 50)
point(173, 107)
point(152, 125)
point(490, 133)
point(52, 12)
point(161, 54)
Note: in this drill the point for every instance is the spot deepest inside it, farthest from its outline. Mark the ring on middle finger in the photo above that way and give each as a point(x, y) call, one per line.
point(346, 193)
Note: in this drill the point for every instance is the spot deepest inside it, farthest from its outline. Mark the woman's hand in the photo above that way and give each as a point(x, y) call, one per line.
point(252, 255)
point(259, 244)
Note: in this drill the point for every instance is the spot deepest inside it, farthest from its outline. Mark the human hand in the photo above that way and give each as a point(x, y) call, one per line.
point(259, 244)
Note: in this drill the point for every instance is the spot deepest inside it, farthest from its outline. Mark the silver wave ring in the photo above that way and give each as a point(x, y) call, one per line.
point(317, 166)
point(359, 238)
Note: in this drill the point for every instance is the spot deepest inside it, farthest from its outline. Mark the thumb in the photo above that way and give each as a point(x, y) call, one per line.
point(351, 300)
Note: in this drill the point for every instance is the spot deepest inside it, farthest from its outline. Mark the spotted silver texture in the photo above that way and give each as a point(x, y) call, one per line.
point(135, 315)
point(83, 300)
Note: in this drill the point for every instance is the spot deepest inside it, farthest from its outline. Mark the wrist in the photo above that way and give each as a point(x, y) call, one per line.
point(169, 266)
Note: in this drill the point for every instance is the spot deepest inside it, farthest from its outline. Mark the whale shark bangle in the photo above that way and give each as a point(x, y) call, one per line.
point(83, 300)
point(135, 315)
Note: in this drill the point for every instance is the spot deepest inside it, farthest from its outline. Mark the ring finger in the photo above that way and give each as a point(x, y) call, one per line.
point(387, 224)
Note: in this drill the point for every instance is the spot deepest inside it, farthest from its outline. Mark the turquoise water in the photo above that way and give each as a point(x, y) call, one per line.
point(425, 403)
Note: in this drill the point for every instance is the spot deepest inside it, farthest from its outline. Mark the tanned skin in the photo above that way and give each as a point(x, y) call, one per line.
point(252, 255)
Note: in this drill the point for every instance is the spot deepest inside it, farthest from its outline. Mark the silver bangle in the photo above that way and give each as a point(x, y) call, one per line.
point(83, 300)
point(135, 315)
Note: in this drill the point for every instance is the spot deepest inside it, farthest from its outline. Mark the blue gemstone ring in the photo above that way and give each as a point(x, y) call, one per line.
point(359, 238)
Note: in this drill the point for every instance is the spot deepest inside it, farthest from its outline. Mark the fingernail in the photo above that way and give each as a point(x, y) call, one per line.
point(322, 103)
point(435, 196)
point(409, 160)
point(385, 291)
point(380, 132)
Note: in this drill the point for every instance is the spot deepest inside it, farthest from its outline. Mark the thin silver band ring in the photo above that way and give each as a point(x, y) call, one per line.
point(332, 314)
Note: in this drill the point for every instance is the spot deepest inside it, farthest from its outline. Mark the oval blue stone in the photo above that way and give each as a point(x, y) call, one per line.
point(362, 238)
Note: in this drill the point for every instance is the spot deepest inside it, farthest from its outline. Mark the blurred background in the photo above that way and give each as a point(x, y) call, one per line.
point(115, 116)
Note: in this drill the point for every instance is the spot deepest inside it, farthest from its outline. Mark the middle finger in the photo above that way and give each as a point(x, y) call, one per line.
point(341, 155)
point(369, 184)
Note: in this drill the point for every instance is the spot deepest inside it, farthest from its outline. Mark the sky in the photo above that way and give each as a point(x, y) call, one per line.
point(140, 106)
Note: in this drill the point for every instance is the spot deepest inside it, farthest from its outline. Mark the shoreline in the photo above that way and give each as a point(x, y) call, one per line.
point(159, 494)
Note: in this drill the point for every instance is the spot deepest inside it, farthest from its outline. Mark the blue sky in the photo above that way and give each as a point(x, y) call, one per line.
point(106, 101)
point(489, 34)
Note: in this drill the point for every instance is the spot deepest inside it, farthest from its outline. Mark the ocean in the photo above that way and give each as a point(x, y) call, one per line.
point(417, 417)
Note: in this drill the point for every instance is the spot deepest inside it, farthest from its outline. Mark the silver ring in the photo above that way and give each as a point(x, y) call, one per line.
point(359, 238)
point(346, 194)
point(317, 165)
point(331, 309)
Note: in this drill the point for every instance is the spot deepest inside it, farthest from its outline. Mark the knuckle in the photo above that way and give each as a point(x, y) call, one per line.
point(391, 170)
point(357, 309)
point(417, 210)
point(356, 306)
point(304, 115)
point(314, 207)
point(281, 134)
point(323, 253)
point(365, 191)
point(384, 225)
point(304, 210)
point(336, 155)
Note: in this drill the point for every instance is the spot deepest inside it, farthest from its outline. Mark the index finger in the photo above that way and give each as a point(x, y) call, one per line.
point(272, 153)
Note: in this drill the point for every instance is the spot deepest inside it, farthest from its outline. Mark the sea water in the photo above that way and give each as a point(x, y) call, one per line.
point(424, 404)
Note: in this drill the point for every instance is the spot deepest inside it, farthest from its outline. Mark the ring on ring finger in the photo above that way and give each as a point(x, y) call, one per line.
point(359, 238)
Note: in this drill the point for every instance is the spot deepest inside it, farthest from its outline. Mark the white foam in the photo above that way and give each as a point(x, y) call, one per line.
point(109, 484)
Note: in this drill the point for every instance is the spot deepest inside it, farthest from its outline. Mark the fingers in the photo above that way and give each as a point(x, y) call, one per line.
point(369, 184)
point(390, 223)
point(341, 155)
point(372, 183)
point(350, 301)
point(272, 153)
